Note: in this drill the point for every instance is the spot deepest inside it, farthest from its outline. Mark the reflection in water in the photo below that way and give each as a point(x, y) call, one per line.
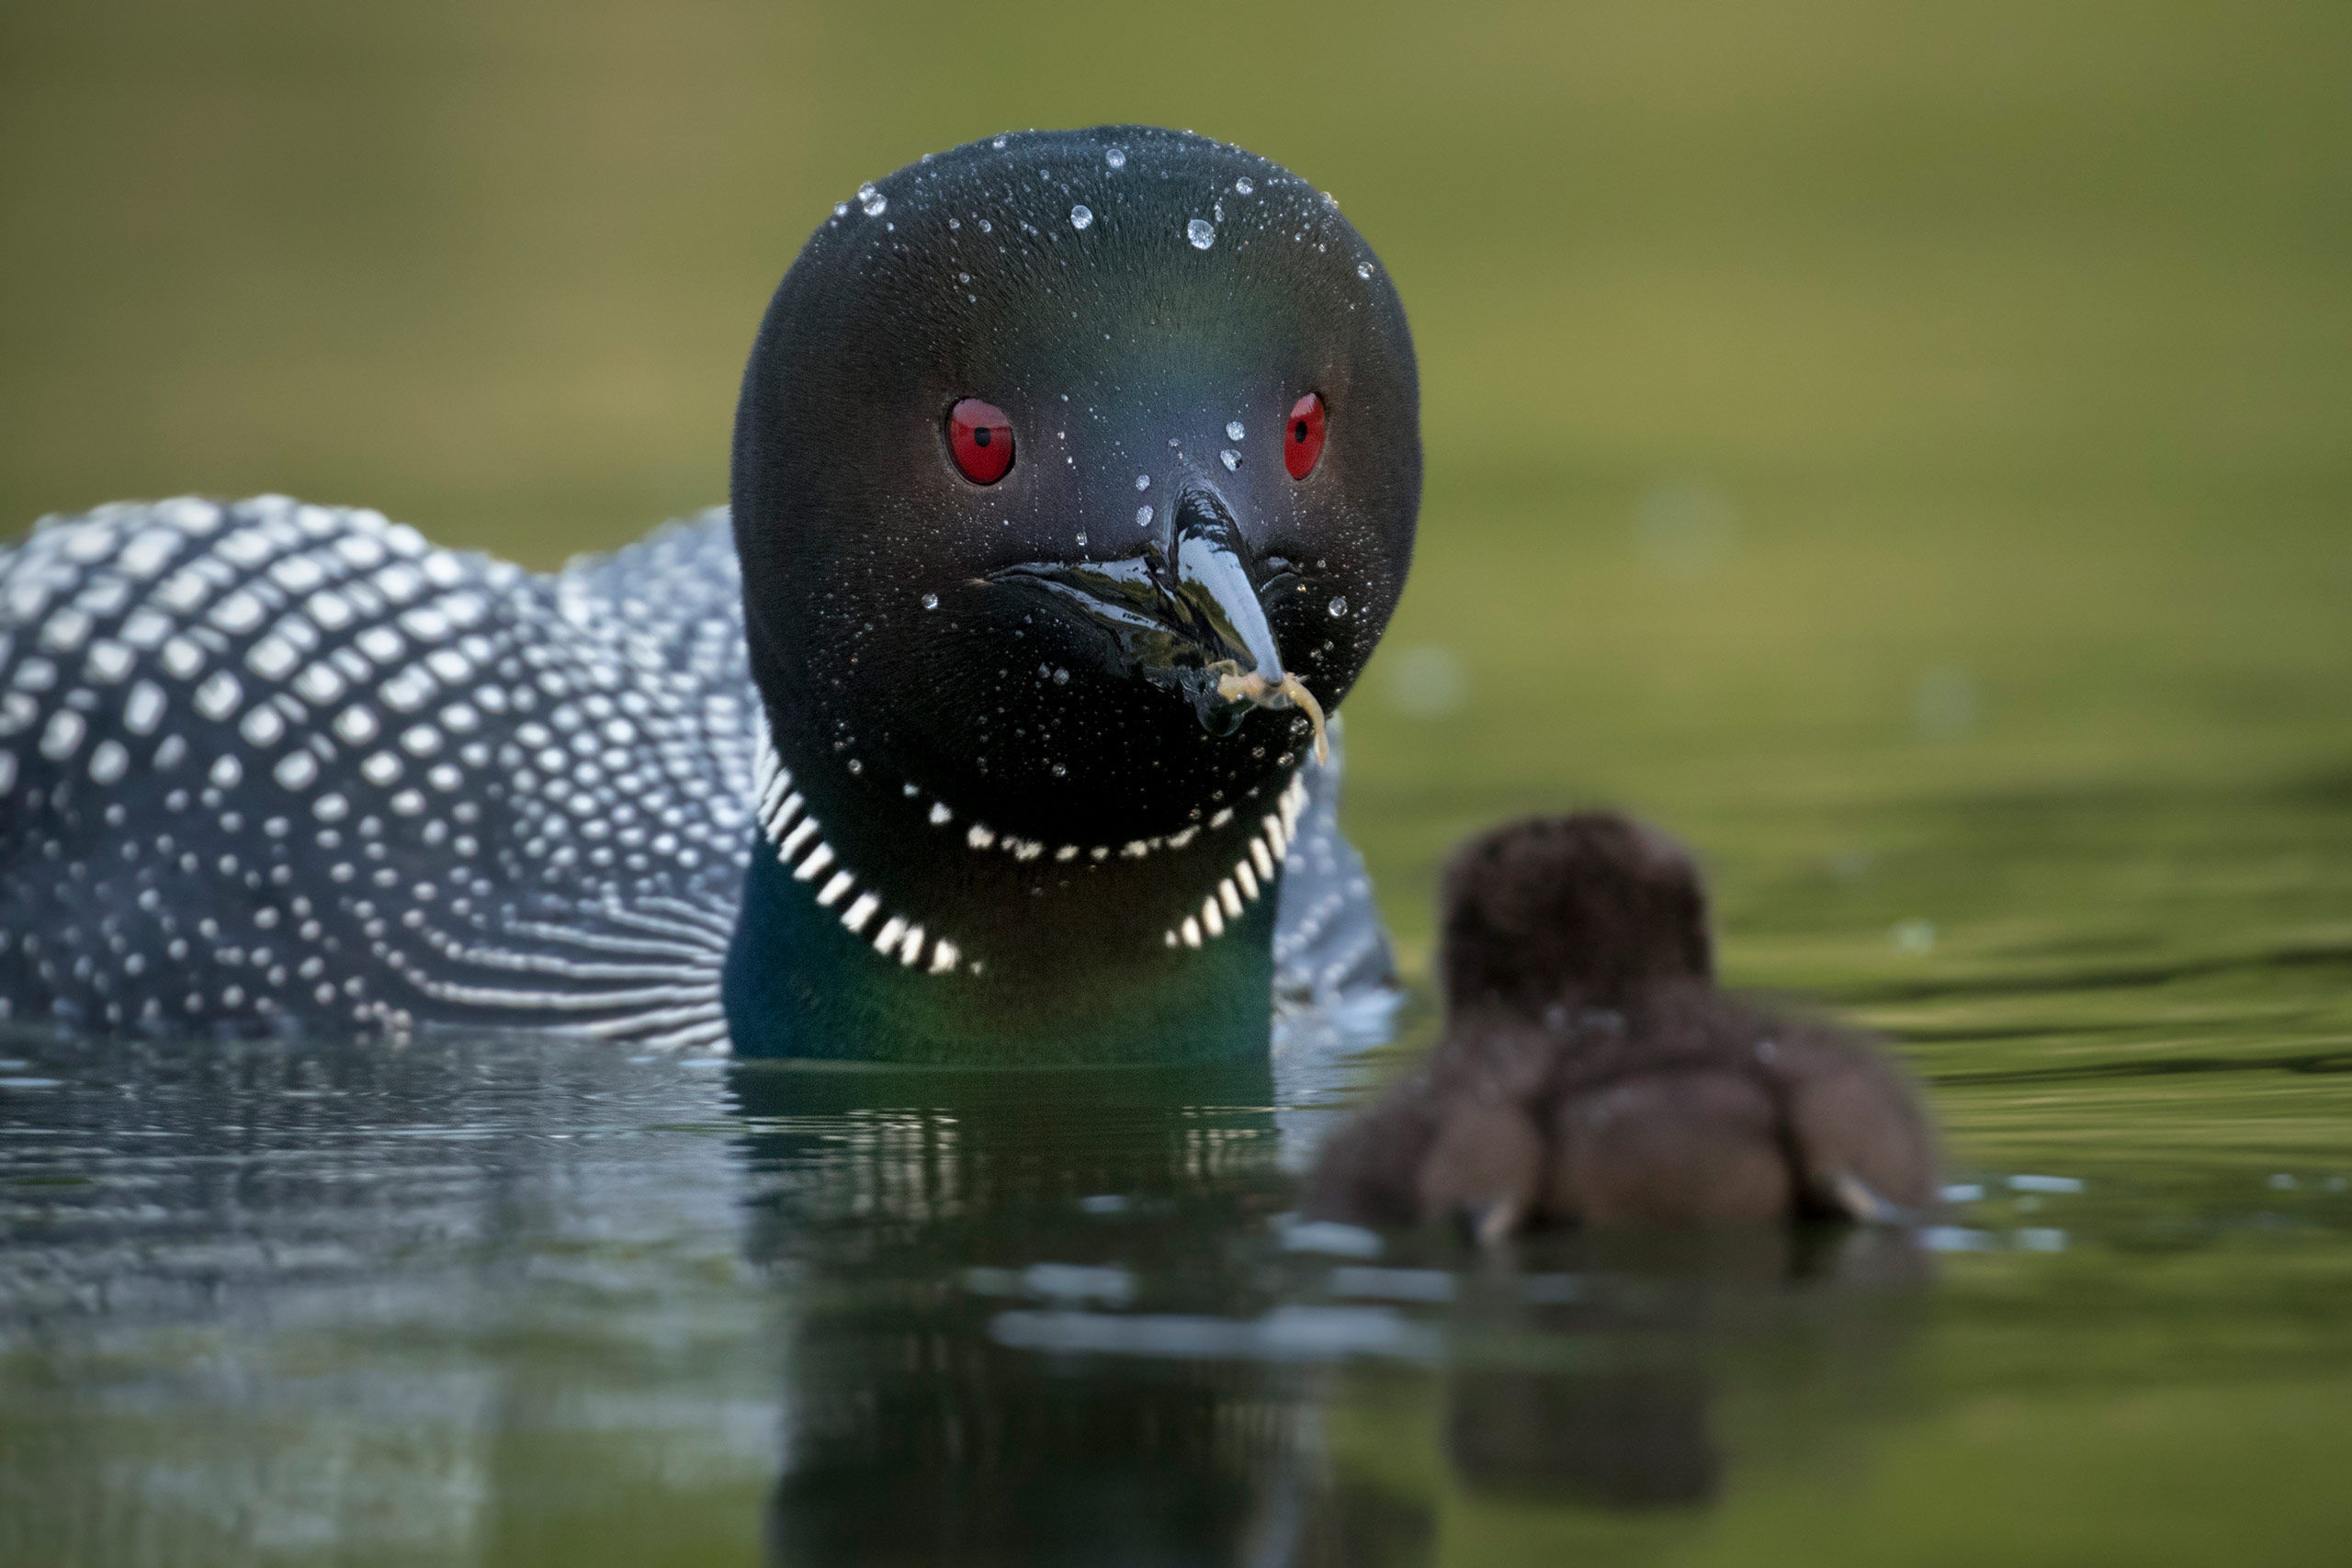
point(922, 1213)
point(1664, 1319)
point(517, 1303)
point(1052, 1318)
point(463, 1301)
point(528, 1303)
point(1626, 1440)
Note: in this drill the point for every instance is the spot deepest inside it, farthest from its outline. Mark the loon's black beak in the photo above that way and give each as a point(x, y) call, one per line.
point(1214, 594)
point(1183, 614)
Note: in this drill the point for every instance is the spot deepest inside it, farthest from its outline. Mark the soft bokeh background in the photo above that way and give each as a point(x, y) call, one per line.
point(1907, 448)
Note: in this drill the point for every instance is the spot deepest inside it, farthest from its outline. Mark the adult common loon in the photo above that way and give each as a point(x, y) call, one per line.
point(1075, 473)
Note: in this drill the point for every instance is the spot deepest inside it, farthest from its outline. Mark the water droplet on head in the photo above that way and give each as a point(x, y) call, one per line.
point(1143, 516)
point(1218, 212)
point(1364, 269)
point(1233, 430)
point(1142, 482)
point(931, 601)
point(997, 143)
point(1115, 156)
point(1082, 539)
point(1231, 459)
point(1339, 605)
point(1201, 232)
point(841, 209)
point(871, 201)
point(1061, 677)
point(1081, 216)
point(987, 227)
point(963, 278)
point(1243, 185)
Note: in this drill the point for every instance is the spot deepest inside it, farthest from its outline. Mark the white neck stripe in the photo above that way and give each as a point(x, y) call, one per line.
point(800, 846)
point(1253, 875)
point(899, 938)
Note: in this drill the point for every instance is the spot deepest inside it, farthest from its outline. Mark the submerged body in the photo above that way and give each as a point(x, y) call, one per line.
point(1590, 1073)
point(1074, 475)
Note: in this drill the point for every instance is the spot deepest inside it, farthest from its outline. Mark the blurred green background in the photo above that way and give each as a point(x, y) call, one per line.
point(1905, 447)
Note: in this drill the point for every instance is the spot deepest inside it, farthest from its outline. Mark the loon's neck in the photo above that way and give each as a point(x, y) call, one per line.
point(880, 924)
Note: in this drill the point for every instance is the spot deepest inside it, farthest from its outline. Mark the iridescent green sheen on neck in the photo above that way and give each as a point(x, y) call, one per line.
point(799, 984)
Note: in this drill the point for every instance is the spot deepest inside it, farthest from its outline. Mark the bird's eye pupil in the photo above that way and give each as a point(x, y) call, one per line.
point(979, 437)
point(1304, 447)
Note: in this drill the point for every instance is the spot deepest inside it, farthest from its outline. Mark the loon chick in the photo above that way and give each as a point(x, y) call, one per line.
point(1075, 474)
point(1591, 1072)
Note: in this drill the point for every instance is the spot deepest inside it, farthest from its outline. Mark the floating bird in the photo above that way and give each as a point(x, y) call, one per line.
point(1591, 1073)
point(1075, 476)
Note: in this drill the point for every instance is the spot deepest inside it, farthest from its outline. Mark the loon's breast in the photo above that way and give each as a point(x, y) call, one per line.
point(281, 766)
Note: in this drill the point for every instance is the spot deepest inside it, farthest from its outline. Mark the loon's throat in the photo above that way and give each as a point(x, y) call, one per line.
point(918, 889)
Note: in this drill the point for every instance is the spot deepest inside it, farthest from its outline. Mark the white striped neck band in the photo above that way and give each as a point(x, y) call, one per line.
point(800, 845)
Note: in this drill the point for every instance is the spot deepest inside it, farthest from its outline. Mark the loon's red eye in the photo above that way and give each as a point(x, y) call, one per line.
point(981, 438)
point(1303, 437)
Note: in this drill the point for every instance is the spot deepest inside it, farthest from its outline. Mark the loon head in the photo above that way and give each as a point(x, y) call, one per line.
point(1582, 911)
point(1075, 478)
point(1040, 437)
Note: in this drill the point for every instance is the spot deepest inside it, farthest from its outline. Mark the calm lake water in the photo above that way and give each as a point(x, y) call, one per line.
point(1900, 448)
point(519, 1302)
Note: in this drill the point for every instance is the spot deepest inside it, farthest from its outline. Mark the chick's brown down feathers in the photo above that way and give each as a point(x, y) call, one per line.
point(1590, 1073)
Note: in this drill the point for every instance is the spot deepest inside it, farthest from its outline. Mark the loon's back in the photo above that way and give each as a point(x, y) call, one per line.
point(272, 765)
